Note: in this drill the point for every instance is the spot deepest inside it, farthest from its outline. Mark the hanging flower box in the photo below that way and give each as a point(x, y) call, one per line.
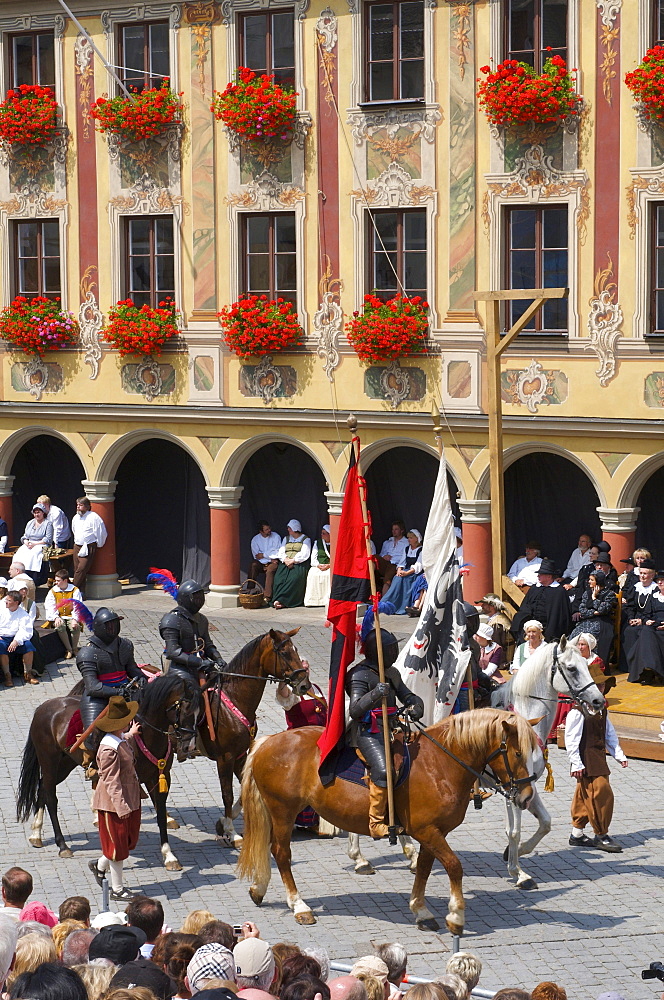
point(257, 110)
point(256, 325)
point(141, 330)
point(141, 116)
point(646, 83)
point(28, 116)
point(514, 95)
point(389, 329)
point(37, 325)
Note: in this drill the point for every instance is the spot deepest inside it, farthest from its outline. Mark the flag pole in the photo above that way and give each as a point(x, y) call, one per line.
point(352, 424)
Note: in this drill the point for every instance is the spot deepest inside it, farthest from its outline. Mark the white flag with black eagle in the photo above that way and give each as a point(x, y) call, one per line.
point(434, 661)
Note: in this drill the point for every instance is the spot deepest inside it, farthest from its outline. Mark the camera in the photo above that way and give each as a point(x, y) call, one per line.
point(654, 971)
point(237, 930)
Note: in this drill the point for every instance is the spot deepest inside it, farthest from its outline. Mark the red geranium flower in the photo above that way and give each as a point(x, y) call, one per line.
point(514, 94)
point(28, 116)
point(141, 330)
point(256, 107)
point(37, 325)
point(138, 117)
point(389, 329)
point(258, 325)
point(646, 82)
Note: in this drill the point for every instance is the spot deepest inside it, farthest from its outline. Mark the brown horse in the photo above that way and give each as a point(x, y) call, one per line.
point(234, 699)
point(281, 778)
point(166, 714)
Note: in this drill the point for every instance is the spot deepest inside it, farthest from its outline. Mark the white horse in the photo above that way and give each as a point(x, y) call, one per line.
point(364, 867)
point(555, 668)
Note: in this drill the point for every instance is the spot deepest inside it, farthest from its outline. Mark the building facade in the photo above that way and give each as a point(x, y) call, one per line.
point(394, 180)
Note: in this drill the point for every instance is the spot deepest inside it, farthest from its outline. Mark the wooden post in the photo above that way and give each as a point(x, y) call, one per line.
point(495, 345)
point(352, 424)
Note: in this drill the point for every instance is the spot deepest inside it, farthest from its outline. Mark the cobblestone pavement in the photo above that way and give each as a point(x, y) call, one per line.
point(594, 923)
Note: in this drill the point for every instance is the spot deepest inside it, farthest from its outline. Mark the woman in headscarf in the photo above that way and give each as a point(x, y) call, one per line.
point(318, 579)
point(38, 534)
point(409, 569)
point(290, 580)
point(534, 637)
point(586, 644)
point(597, 613)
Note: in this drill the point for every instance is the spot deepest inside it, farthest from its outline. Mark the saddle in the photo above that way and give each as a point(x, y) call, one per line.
point(350, 765)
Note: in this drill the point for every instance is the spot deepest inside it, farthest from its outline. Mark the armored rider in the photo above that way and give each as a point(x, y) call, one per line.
point(186, 635)
point(107, 666)
point(366, 692)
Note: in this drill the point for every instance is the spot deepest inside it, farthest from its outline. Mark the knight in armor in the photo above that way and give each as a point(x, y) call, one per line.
point(107, 666)
point(366, 729)
point(186, 635)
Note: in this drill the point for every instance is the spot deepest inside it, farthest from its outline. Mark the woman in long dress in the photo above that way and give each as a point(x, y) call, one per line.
point(646, 657)
point(597, 613)
point(409, 569)
point(38, 534)
point(318, 578)
point(308, 709)
point(534, 637)
point(290, 580)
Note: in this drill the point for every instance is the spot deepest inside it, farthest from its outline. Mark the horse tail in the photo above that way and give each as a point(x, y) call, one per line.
point(28, 783)
point(254, 860)
point(77, 689)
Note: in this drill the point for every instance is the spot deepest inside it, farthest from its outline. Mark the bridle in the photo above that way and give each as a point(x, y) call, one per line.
point(293, 678)
point(176, 729)
point(575, 693)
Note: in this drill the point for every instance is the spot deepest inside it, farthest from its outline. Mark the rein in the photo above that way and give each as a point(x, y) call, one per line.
point(574, 693)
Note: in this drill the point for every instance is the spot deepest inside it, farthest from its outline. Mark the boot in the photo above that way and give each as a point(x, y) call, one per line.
point(377, 807)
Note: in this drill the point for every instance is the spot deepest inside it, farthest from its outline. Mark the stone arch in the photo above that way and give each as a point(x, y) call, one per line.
point(637, 480)
point(13, 444)
point(232, 471)
point(517, 451)
point(372, 451)
point(114, 454)
point(643, 489)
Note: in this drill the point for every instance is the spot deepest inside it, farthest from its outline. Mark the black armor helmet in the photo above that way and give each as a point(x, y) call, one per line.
point(106, 624)
point(472, 618)
point(390, 645)
point(191, 596)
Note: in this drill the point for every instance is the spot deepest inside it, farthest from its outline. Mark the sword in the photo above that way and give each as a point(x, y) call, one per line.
point(206, 698)
point(84, 735)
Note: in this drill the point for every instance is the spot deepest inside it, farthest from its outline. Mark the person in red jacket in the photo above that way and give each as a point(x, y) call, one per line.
point(309, 709)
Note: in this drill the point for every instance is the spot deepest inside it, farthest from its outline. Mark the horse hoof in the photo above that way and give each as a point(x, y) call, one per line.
point(306, 917)
point(430, 924)
point(454, 928)
point(224, 840)
point(255, 897)
point(173, 866)
point(37, 842)
point(172, 824)
point(64, 852)
point(528, 883)
point(365, 869)
point(412, 867)
point(237, 840)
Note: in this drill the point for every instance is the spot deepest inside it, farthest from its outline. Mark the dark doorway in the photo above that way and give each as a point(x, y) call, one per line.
point(650, 526)
point(162, 514)
point(550, 500)
point(45, 464)
point(400, 485)
point(280, 481)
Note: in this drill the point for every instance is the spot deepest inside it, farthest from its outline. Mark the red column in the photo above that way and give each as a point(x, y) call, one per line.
point(476, 528)
point(224, 545)
point(334, 502)
point(102, 582)
point(6, 504)
point(619, 530)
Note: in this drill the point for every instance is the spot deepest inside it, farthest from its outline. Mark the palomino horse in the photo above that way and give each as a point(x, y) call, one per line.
point(281, 777)
point(234, 698)
point(533, 693)
point(166, 714)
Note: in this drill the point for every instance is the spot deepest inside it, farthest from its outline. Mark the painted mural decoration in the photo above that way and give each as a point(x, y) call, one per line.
point(149, 379)
point(36, 377)
point(604, 323)
point(268, 381)
point(653, 390)
point(395, 384)
point(534, 386)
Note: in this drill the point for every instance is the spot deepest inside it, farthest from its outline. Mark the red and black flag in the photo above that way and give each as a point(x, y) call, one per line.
point(350, 587)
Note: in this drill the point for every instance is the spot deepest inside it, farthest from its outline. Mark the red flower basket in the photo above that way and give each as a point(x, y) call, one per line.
point(258, 325)
point(256, 108)
point(138, 117)
point(28, 116)
point(141, 330)
point(515, 95)
point(37, 325)
point(388, 329)
point(646, 83)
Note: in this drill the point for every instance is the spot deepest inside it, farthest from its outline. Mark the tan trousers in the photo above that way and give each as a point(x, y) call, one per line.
point(593, 803)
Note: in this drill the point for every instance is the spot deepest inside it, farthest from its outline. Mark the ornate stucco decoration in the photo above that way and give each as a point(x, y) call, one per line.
point(90, 321)
point(268, 152)
point(393, 188)
point(462, 12)
point(84, 68)
point(228, 7)
point(604, 323)
point(328, 320)
point(421, 121)
point(33, 164)
point(142, 12)
point(265, 193)
point(148, 379)
point(28, 204)
point(609, 10)
point(145, 149)
point(200, 16)
point(35, 377)
point(266, 379)
point(152, 200)
point(531, 386)
point(326, 39)
point(647, 185)
point(395, 383)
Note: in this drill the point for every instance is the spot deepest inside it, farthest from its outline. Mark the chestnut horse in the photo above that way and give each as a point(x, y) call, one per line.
point(281, 778)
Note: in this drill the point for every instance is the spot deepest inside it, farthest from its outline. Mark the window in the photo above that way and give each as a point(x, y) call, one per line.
point(657, 277)
point(534, 27)
point(32, 59)
point(144, 57)
point(150, 260)
point(267, 45)
point(37, 258)
point(398, 253)
point(269, 254)
point(658, 22)
point(395, 51)
point(537, 257)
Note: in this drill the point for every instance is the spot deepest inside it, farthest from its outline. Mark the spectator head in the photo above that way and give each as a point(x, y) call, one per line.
point(323, 959)
point(511, 993)
point(213, 992)
point(119, 943)
point(432, 991)
point(264, 527)
point(254, 964)
point(455, 983)
point(639, 555)
point(548, 991)
point(305, 987)
point(82, 504)
point(219, 984)
point(347, 988)
point(61, 932)
point(400, 529)
point(130, 993)
point(375, 989)
point(253, 994)
point(76, 949)
point(39, 912)
point(395, 957)
point(142, 974)
point(195, 920)
point(16, 882)
point(45, 501)
point(217, 932)
point(211, 961)
point(8, 938)
point(107, 918)
point(96, 978)
point(466, 965)
point(12, 600)
point(75, 907)
point(31, 951)
point(148, 914)
point(371, 965)
point(16, 569)
point(167, 944)
point(24, 927)
point(50, 981)
point(297, 966)
point(179, 959)
point(62, 580)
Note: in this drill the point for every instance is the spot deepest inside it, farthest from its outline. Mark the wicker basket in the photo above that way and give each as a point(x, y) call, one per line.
point(250, 595)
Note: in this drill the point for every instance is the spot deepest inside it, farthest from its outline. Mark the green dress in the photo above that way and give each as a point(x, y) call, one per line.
point(290, 582)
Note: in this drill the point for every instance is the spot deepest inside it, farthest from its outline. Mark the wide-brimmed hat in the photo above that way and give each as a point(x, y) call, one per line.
point(493, 600)
point(629, 561)
point(604, 546)
point(647, 564)
point(599, 677)
point(547, 566)
point(120, 713)
point(603, 559)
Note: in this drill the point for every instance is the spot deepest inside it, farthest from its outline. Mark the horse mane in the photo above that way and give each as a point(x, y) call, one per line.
point(472, 730)
point(242, 659)
point(157, 692)
point(527, 679)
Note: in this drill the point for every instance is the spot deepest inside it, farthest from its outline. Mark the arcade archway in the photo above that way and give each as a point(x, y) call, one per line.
point(44, 464)
point(162, 515)
point(649, 525)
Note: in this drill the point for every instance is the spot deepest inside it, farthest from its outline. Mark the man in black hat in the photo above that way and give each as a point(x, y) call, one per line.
point(118, 943)
point(548, 603)
point(108, 667)
point(186, 636)
point(142, 972)
point(366, 692)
